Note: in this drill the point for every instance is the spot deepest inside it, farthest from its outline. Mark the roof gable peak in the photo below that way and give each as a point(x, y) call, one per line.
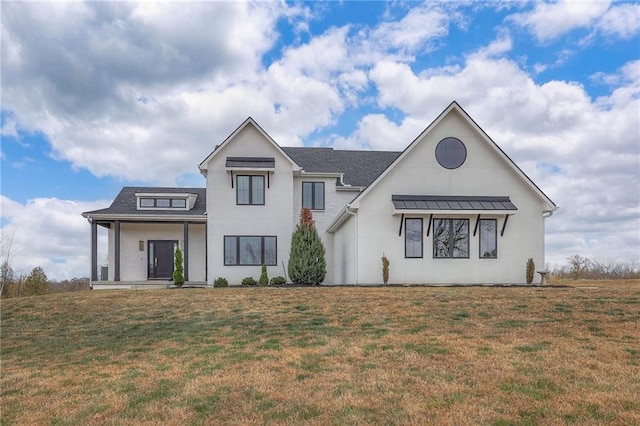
point(248, 121)
point(454, 106)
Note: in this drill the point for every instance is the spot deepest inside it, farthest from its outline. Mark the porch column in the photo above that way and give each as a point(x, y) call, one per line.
point(94, 251)
point(116, 266)
point(206, 251)
point(186, 251)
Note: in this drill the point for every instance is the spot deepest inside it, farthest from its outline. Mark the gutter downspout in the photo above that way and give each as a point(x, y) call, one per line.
point(545, 215)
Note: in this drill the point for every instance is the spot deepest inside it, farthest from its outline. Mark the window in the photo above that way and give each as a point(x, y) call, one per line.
point(413, 238)
point(163, 203)
point(250, 190)
point(241, 250)
point(488, 238)
point(179, 203)
point(313, 195)
point(451, 238)
point(451, 153)
point(147, 202)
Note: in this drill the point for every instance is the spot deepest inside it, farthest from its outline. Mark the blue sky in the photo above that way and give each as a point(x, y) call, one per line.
point(99, 95)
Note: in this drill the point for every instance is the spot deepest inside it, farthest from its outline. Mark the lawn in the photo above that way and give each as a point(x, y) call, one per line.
point(435, 355)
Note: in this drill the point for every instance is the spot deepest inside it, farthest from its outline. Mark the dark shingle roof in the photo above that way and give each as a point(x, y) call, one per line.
point(125, 202)
point(451, 202)
point(360, 168)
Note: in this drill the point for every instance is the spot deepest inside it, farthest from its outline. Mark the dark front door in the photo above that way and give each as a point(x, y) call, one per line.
point(161, 259)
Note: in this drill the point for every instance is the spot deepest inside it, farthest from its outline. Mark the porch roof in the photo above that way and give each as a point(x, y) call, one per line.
point(125, 204)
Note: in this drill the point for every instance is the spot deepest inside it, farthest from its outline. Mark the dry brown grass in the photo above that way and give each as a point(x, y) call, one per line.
point(556, 355)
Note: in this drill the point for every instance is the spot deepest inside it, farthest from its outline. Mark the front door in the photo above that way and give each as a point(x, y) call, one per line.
point(161, 259)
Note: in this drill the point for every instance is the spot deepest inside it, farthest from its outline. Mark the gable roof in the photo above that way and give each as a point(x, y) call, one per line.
point(125, 203)
point(248, 122)
point(359, 168)
point(454, 106)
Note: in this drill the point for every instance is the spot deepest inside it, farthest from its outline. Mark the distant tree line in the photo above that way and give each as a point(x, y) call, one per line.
point(35, 283)
point(584, 268)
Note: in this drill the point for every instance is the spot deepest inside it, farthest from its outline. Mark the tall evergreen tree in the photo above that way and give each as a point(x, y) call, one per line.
point(307, 264)
point(37, 282)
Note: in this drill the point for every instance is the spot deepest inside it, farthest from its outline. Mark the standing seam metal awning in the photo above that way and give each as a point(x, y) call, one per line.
point(251, 162)
point(463, 203)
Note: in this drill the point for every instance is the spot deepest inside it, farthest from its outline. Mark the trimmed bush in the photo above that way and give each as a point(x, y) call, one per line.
point(531, 269)
point(178, 271)
point(279, 280)
point(385, 269)
point(264, 278)
point(307, 265)
point(221, 282)
point(249, 281)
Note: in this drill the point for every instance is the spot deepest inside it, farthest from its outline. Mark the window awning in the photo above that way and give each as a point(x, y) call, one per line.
point(264, 163)
point(452, 204)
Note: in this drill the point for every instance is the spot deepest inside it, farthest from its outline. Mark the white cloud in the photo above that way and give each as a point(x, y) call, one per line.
point(551, 20)
point(78, 71)
point(415, 31)
point(50, 233)
point(622, 20)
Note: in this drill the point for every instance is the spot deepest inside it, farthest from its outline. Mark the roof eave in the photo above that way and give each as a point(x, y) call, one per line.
point(453, 212)
point(145, 217)
point(341, 218)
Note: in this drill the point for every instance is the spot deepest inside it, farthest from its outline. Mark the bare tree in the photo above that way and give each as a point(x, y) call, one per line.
point(6, 272)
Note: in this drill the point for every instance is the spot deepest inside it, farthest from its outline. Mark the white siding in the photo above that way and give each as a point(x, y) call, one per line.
point(274, 218)
point(345, 253)
point(133, 261)
point(335, 201)
point(482, 174)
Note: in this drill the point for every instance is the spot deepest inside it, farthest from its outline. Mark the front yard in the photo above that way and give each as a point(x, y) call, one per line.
point(478, 355)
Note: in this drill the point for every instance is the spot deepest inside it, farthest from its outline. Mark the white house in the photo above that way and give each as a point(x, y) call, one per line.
point(452, 208)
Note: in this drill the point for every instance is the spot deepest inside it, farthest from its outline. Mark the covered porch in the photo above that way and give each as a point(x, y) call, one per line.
point(141, 253)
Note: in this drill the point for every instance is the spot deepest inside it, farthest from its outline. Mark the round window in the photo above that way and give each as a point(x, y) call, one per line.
point(451, 153)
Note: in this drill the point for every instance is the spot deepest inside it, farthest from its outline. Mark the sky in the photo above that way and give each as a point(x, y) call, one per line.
point(100, 95)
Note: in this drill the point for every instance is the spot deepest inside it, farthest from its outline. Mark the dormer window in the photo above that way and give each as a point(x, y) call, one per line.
point(165, 201)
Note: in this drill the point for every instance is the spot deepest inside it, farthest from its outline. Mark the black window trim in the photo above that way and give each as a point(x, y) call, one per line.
point(450, 220)
point(237, 254)
point(421, 238)
point(313, 195)
point(251, 203)
point(155, 203)
point(495, 232)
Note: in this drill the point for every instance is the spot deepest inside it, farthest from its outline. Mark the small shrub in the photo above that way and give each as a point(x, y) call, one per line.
point(178, 272)
point(249, 281)
point(531, 269)
point(385, 269)
point(221, 282)
point(264, 278)
point(279, 280)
